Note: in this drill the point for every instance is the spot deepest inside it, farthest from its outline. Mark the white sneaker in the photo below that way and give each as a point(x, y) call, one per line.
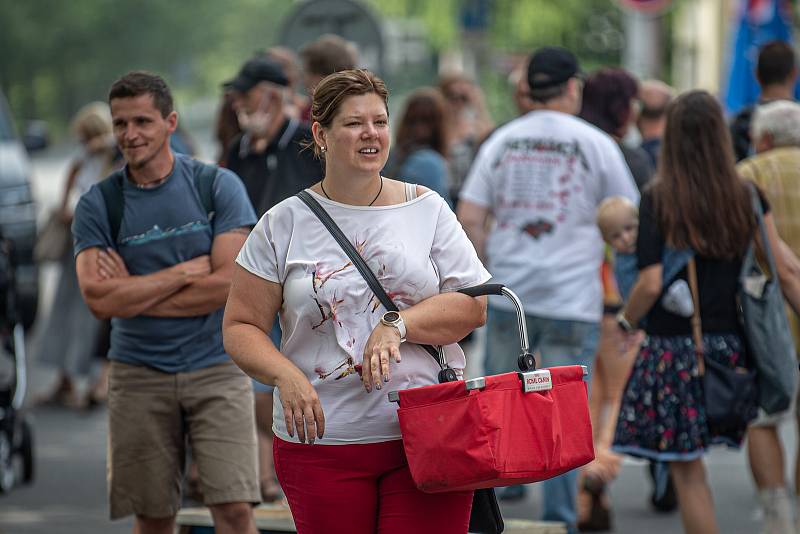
point(778, 509)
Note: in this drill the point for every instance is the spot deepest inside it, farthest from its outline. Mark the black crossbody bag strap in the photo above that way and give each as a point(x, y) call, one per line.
point(447, 374)
point(485, 516)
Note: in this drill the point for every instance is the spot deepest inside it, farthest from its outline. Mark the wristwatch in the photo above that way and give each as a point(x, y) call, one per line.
point(623, 322)
point(393, 318)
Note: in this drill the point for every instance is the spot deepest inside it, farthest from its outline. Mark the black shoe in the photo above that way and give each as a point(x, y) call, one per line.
point(599, 519)
point(513, 493)
point(667, 501)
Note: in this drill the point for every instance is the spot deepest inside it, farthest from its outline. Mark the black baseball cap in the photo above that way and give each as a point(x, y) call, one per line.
point(257, 70)
point(550, 66)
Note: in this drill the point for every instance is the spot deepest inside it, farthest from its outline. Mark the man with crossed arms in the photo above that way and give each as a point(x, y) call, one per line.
point(164, 281)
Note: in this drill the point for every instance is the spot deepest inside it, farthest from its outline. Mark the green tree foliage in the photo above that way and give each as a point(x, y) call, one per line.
point(58, 54)
point(591, 28)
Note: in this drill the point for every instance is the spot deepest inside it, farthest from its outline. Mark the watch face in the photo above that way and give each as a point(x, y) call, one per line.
point(391, 317)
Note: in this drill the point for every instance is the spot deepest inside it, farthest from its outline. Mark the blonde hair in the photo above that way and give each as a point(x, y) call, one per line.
point(612, 207)
point(92, 120)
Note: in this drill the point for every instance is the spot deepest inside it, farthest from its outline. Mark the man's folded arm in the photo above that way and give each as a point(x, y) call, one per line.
point(109, 294)
point(209, 293)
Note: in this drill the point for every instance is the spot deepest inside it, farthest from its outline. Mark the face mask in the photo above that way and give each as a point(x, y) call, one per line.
point(469, 114)
point(256, 122)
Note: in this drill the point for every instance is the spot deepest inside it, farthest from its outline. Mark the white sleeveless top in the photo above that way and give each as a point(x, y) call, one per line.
point(417, 249)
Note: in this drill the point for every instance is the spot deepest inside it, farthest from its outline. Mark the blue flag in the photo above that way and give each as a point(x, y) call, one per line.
point(760, 21)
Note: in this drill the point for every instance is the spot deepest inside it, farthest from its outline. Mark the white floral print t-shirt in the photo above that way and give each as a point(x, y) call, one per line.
point(417, 249)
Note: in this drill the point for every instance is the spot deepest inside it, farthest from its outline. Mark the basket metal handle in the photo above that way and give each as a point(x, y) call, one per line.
point(526, 361)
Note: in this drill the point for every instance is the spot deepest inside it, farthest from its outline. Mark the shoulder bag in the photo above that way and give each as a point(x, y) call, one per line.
point(53, 240)
point(766, 329)
point(485, 517)
point(731, 394)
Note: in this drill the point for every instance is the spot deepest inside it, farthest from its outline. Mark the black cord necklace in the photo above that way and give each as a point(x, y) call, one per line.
point(322, 186)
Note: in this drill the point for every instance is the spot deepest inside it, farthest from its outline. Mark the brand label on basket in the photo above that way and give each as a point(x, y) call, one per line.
point(536, 381)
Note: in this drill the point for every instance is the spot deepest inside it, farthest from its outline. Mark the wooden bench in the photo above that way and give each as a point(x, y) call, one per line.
point(270, 519)
point(276, 519)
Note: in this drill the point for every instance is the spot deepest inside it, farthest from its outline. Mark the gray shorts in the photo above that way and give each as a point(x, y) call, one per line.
point(777, 418)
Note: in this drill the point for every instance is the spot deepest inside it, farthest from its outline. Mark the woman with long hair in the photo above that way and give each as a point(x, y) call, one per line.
point(697, 202)
point(420, 146)
point(468, 124)
point(71, 337)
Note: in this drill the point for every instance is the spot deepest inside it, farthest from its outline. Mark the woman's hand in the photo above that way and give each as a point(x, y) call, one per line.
point(302, 410)
point(383, 343)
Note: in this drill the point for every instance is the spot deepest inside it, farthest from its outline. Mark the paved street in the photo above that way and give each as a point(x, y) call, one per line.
point(68, 495)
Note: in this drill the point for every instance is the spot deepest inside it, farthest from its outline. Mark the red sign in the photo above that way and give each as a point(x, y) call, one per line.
point(646, 6)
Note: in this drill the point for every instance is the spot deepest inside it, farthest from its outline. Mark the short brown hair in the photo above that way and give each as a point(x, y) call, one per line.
point(139, 82)
point(776, 63)
point(335, 88)
point(328, 54)
point(607, 98)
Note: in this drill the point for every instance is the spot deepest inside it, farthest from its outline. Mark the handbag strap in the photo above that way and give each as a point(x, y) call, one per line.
point(697, 325)
point(361, 265)
point(762, 230)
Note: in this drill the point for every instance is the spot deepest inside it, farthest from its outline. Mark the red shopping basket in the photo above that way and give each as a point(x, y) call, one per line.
point(512, 428)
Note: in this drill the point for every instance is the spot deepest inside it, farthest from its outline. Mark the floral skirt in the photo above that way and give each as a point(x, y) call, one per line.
point(662, 415)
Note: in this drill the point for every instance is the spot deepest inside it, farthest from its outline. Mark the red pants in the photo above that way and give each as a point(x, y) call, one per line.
point(363, 489)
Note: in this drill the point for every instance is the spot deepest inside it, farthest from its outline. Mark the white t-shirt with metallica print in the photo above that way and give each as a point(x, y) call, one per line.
point(417, 249)
point(543, 176)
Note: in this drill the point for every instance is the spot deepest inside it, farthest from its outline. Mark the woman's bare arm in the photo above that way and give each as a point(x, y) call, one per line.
point(252, 306)
point(644, 294)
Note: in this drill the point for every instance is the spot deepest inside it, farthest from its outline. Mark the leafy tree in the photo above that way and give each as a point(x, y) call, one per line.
point(59, 55)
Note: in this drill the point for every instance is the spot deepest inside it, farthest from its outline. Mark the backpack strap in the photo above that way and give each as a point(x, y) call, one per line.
point(111, 188)
point(204, 183)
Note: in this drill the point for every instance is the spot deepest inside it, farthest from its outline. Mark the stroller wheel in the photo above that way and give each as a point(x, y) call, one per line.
point(7, 474)
point(26, 448)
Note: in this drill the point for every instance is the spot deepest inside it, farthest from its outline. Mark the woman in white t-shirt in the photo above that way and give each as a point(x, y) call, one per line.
point(338, 348)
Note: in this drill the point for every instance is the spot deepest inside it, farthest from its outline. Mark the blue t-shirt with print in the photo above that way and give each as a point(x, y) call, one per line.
point(160, 227)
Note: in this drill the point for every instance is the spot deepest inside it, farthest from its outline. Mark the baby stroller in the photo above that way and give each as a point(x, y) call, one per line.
point(16, 437)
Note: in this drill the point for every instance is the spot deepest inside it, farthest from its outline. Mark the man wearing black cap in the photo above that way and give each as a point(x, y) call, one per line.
point(541, 177)
point(270, 158)
point(269, 155)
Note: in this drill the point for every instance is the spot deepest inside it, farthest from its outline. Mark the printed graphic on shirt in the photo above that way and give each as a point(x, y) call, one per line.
point(351, 317)
point(539, 178)
point(157, 234)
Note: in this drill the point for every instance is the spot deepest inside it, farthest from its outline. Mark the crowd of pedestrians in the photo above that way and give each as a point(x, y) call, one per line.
point(243, 337)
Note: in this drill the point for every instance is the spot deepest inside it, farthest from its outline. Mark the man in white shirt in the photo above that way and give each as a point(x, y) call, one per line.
point(539, 179)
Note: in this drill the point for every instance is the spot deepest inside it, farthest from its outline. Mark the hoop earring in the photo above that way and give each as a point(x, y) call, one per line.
point(323, 149)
